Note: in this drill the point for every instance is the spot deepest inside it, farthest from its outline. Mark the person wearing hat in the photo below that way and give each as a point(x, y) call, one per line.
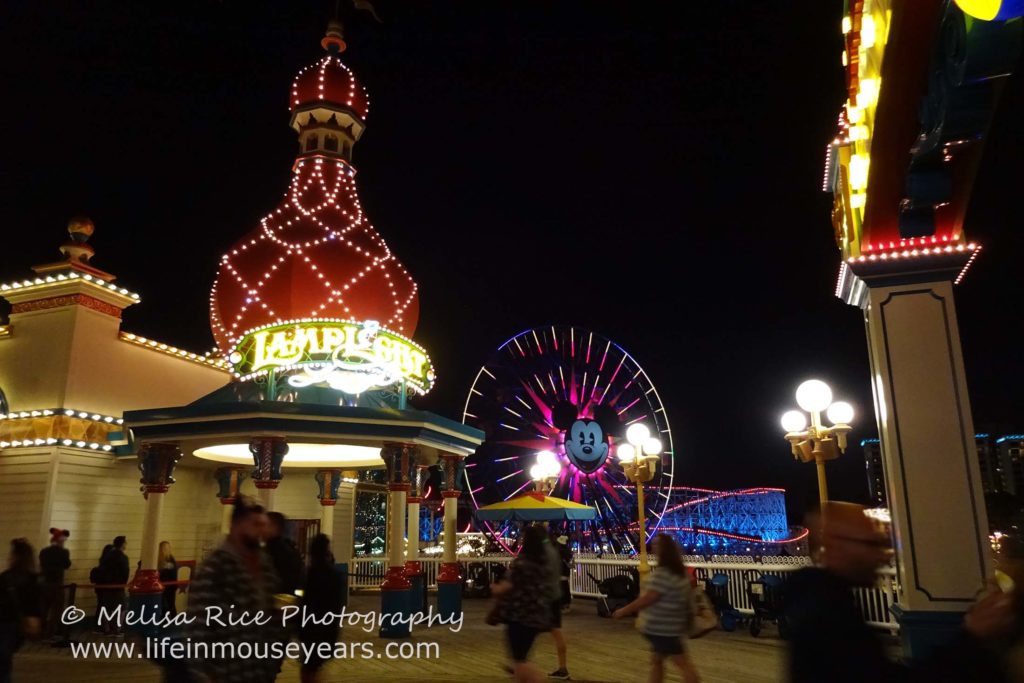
point(54, 560)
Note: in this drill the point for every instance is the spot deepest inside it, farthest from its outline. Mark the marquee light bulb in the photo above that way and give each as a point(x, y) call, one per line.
point(637, 434)
point(813, 396)
point(794, 421)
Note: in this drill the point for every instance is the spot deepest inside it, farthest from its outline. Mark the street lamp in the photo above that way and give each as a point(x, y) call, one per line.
point(816, 442)
point(639, 457)
point(545, 472)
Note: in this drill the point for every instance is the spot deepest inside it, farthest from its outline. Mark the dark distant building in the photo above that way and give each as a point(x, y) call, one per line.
point(1009, 452)
point(993, 478)
point(1001, 465)
point(876, 472)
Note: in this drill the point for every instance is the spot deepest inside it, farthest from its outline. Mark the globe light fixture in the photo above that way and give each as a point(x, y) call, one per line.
point(545, 471)
point(626, 453)
point(637, 434)
point(811, 441)
point(794, 421)
point(840, 413)
point(639, 458)
point(813, 396)
point(547, 458)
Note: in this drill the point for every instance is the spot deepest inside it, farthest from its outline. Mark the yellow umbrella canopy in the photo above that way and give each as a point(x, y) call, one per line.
point(535, 507)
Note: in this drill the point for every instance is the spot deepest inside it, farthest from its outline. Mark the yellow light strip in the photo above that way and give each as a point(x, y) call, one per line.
point(169, 350)
point(64, 277)
point(28, 443)
point(80, 414)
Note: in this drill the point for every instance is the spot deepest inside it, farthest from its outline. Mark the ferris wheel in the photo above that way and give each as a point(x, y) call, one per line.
point(572, 392)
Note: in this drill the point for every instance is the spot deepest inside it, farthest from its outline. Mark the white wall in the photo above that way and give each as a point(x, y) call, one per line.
point(73, 357)
point(97, 498)
point(24, 477)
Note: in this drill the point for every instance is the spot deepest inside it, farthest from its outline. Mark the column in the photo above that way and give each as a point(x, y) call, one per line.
point(268, 454)
point(928, 446)
point(328, 481)
point(229, 479)
point(156, 465)
point(413, 567)
point(395, 591)
point(449, 579)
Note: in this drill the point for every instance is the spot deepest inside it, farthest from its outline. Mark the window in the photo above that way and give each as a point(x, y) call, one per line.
point(3, 403)
point(311, 143)
point(331, 143)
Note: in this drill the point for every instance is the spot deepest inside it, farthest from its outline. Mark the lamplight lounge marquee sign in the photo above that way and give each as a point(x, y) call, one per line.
point(352, 357)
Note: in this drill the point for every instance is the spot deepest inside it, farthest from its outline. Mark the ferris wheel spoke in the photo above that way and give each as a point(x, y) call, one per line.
point(523, 486)
point(512, 399)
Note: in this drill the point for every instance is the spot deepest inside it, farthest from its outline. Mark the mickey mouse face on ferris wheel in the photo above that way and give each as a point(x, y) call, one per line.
point(586, 440)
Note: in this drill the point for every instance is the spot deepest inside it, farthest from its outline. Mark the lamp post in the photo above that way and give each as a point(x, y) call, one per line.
point(638, 458)
point(817, 442)
point(545, 472)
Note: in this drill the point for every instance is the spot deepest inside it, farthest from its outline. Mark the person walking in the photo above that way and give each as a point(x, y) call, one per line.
point(526, 602)
point(54, 560)
point(168, 568)
point(829, 640)
point(665, 608)
point(554, 571)
point(114, 570)
point(234, 580)
point(565, 569)
point(96, 579)
point(19, 604)
point(321, 597)
point(284, 554)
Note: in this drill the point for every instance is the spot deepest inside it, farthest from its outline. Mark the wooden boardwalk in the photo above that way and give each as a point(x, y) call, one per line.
point(600, 651)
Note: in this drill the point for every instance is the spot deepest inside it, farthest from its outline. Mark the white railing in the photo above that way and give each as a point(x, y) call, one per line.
point(367, 573)
point(874, 602)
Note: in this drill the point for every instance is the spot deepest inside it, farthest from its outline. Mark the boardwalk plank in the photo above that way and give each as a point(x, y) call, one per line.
point(600, 651)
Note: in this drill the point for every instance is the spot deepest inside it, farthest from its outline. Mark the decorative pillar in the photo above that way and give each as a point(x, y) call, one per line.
point(395, 592)
point(156, 464)
point(449, 579)
point(931, 468)
point(229, 480)
point(268, 454)
point(413, 567)
point(328, 481)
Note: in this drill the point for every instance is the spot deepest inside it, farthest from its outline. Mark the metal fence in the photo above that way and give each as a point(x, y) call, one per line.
point(367, 573)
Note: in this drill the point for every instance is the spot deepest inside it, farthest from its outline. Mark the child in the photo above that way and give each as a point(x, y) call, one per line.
point(665, 610)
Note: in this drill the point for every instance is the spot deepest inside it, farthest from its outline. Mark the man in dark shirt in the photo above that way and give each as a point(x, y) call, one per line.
point(830, 640)
point(234, 580)
point(115, 571)
point(54, 559)
point(284, 554)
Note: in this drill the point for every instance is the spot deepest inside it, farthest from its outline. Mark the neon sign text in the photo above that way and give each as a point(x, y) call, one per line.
point(348, 356)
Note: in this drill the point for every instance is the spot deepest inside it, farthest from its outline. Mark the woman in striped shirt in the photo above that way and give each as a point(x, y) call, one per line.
point(666, 611)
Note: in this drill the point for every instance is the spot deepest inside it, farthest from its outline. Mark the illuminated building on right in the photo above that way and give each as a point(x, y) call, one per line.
point(1000, 463)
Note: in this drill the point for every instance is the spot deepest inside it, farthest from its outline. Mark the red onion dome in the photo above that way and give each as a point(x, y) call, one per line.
point(315, 256)
point(328, 82)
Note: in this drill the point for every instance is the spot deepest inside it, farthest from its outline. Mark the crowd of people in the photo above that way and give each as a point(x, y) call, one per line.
point(259, 569)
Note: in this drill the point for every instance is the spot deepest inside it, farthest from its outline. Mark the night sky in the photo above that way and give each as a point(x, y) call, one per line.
point(650, 170)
